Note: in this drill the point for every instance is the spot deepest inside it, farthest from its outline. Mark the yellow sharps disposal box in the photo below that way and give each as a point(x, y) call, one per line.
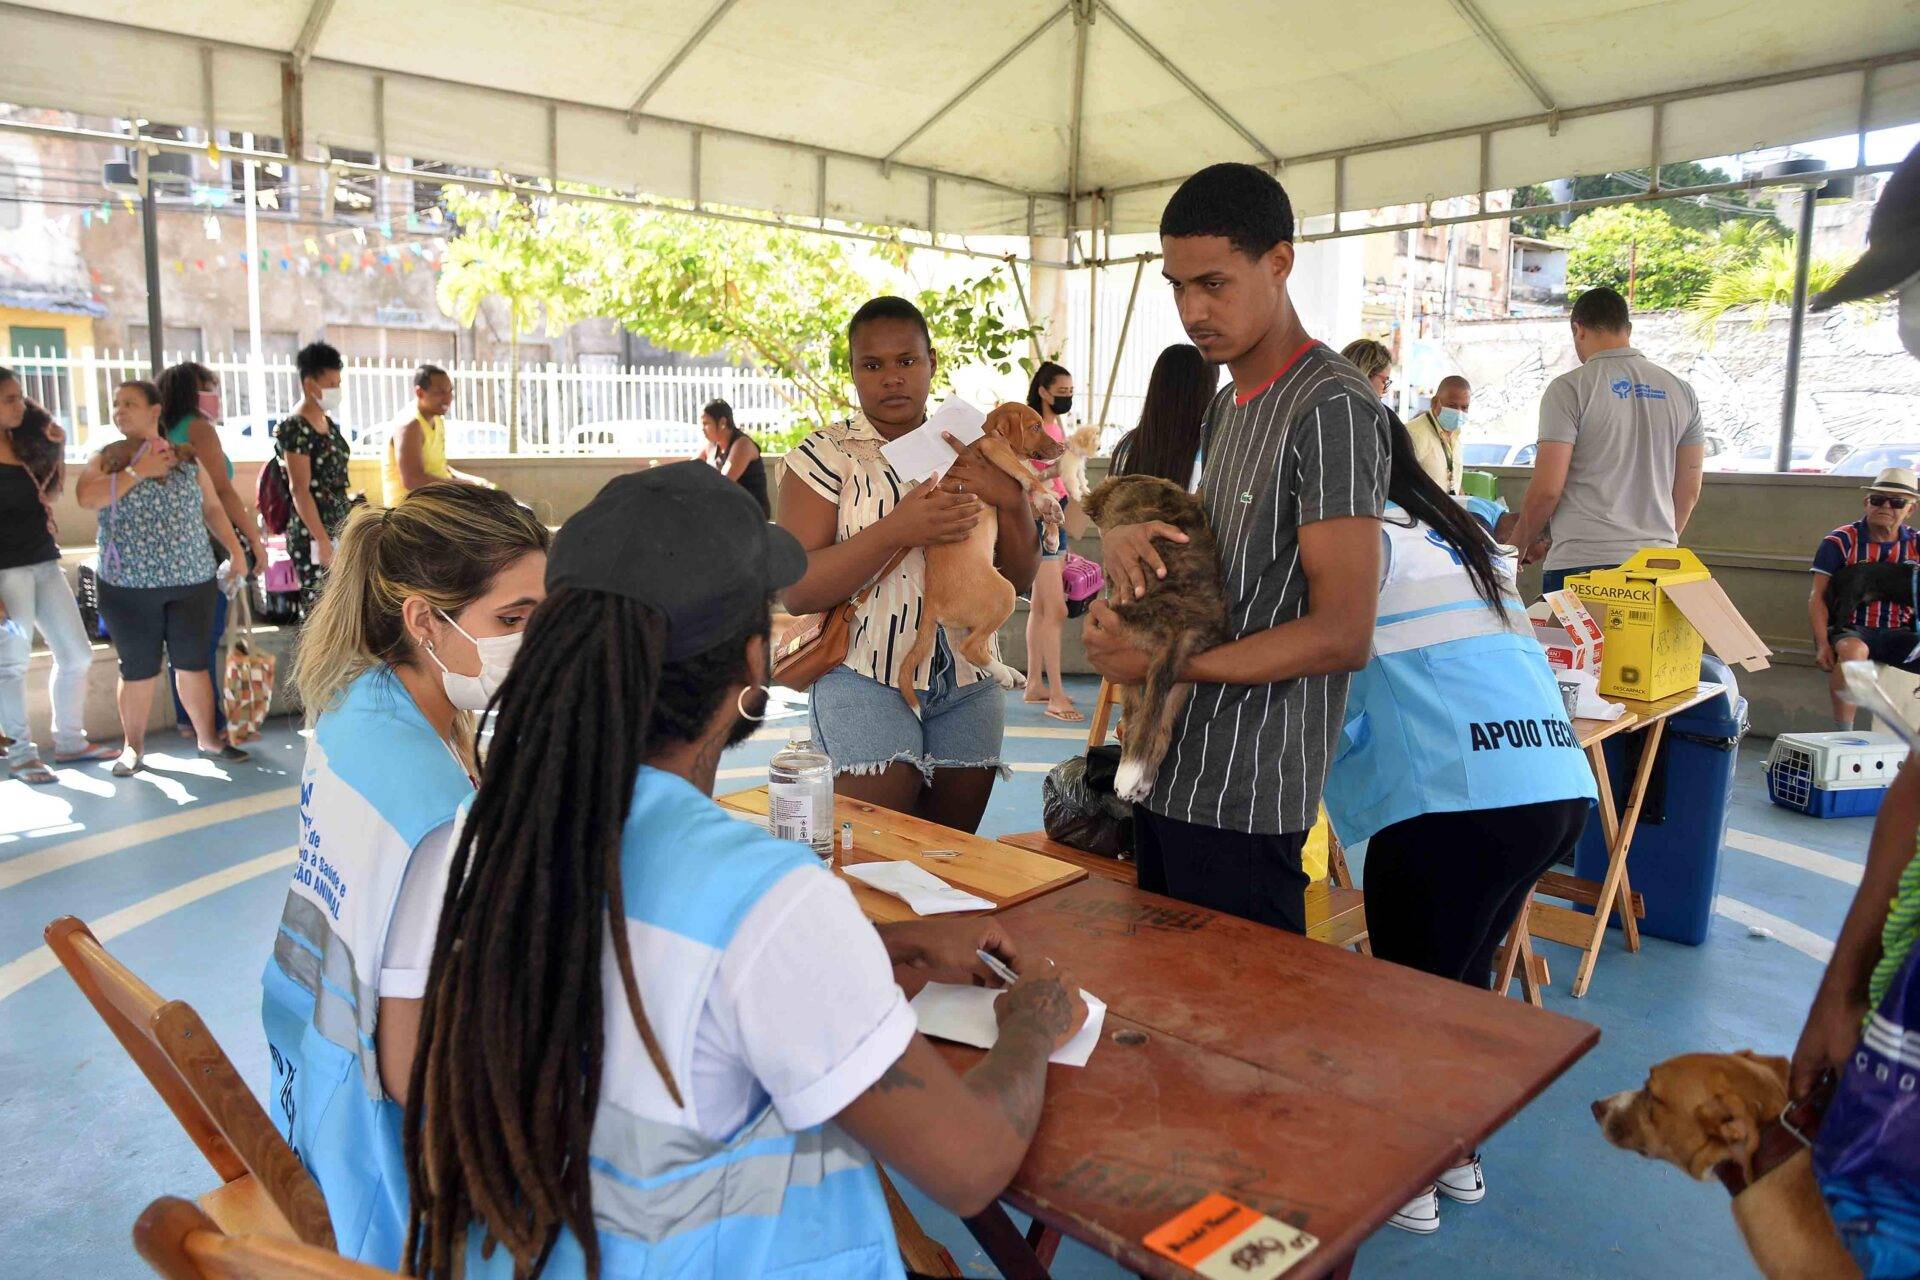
point(1656, 610)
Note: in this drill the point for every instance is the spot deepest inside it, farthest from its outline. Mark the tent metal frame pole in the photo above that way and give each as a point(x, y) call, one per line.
point(1093, 297)
point(1563, 114)
point(1574, 206)
point(1083, 11)
point(1502, 50)
point(1796, 328)
point(107, 138)
point(309, 37)
point(1120, 347)
point(1188, 83)
point(680, 55)
point(1019, 46)
point(1026, 308)
point(150, 253)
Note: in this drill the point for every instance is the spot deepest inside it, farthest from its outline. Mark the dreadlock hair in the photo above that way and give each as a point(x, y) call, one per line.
point(1411, 488)
point(506, 1078)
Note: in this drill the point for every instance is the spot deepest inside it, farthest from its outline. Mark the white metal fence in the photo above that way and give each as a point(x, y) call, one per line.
point(561, 408)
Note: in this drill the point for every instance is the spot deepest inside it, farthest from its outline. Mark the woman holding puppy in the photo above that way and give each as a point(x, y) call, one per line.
point(1050, 394)
point(156, 506)
point(861, 525)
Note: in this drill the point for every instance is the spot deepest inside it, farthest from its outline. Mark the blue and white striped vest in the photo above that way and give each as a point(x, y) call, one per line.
point(377, 781)
point(1457, 708)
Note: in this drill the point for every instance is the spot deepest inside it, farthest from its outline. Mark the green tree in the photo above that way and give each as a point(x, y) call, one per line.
point(1760, 285)
point(1698, 213)
point(1639, 251)
point(773, 297)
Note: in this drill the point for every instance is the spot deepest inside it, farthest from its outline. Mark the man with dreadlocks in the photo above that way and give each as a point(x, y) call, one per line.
point(655, 1039)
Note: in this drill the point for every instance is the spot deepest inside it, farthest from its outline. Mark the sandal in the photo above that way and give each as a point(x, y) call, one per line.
point(98, 751)
point(128, 763)
point(34, 773)
point(1072, 715)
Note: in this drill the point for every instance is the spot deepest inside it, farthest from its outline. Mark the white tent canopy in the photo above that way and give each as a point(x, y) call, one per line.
point(988, 116)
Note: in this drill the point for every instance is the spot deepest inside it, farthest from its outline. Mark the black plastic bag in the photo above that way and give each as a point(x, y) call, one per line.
point(1080, 809)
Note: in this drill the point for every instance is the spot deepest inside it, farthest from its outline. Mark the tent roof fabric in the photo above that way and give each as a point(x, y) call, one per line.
point(961, 118)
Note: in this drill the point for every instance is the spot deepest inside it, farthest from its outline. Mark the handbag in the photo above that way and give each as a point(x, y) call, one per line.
point(1083, 580)
point(818, 643)
point(247, 689)
point(281, 577)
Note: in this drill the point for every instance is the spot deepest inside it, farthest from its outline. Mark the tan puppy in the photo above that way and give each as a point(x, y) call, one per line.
point(961, 587)
point(1185, 614)
point(1702, 1110)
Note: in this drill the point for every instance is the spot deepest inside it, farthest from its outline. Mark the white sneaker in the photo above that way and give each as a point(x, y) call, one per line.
point(1420, 1215)
point(1467, 1184)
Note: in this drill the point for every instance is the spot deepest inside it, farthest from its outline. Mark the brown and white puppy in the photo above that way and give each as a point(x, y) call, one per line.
point(961, 588)
point(1700, 1110)
point(1185, 613)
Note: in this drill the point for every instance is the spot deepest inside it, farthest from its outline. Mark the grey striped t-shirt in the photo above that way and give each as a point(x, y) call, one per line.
point(1311, 445)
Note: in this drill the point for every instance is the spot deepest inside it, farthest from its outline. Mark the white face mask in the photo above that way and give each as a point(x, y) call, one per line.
point(473, 693)
point(330, 399)
point(1909, 295)
point(1451, 420)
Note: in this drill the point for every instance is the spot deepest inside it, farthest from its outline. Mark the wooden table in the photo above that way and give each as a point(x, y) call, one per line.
point(1578, 929)
point(1318, 1086)
point(995, 871)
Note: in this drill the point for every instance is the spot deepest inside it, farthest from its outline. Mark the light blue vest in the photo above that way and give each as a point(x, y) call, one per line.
point(377, 780)
point(1457, 708)
point(669, 1201)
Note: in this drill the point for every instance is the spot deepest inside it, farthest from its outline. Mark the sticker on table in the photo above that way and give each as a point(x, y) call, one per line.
point(1222, 1239)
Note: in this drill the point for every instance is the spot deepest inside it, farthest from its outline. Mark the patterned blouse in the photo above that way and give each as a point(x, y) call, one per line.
point(843, 464)
point(153, 535)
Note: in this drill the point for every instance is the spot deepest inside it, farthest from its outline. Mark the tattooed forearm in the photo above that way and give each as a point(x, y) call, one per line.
point(1014, 1075)
point(898, 1077)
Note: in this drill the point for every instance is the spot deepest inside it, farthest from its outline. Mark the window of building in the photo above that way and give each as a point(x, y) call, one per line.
point(355, 194)
point(273, 180)
point(178, 342)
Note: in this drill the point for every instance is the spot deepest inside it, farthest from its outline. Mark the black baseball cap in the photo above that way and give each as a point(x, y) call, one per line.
point(684, 540)
point(1893, 242)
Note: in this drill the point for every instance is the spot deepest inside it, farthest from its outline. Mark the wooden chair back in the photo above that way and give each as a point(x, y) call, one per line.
point(179, 1241)
point(264, 1187)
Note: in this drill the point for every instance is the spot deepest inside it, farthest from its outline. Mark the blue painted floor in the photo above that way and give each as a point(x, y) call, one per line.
point(186, 865)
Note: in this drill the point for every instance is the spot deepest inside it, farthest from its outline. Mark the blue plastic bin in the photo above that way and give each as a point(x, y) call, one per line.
point(1675, 859)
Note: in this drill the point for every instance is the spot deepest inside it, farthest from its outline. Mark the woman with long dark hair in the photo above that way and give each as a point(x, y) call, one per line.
point(657, 1041)
point(733, 453)
point(1050, 394)
point(1166, 443)
point(34, 592)
point(423, 611)
point(1458, 765)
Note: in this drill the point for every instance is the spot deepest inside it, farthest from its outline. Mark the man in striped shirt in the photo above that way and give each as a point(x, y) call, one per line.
point(1883, 630)
point(1295, 458)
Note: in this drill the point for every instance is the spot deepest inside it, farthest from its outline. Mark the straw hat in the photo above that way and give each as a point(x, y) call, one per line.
point(1897, 480)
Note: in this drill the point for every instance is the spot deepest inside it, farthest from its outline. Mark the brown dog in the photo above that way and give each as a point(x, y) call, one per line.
point(961, 586)
point(119, 455)
point(1711, 1112)
point(1185, 614)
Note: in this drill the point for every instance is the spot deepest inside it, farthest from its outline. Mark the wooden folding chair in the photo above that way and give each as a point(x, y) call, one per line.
point(264, 1189)
point(180, 1242)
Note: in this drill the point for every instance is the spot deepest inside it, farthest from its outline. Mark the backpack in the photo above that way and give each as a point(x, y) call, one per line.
point(273, 497)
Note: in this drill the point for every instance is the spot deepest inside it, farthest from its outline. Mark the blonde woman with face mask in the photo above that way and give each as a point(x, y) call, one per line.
point(421, 619)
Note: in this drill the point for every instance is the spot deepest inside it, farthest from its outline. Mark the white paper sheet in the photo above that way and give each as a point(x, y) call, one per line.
point(921, 452)
point(965, 1016)
point(919, 888)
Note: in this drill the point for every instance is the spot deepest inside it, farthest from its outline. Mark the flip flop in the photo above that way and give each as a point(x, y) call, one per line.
point(97, 751)
point(1072, 715)
point(34, 773)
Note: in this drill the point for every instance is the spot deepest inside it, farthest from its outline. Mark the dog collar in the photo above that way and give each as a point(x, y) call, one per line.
point(1782, 1139)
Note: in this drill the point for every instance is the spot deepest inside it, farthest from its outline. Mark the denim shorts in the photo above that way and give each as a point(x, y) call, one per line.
point(865, 725)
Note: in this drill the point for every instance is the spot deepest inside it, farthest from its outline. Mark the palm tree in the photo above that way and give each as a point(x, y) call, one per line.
point(1762, 284)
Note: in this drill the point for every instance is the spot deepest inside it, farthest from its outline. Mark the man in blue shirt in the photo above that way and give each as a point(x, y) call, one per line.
point(1882, 630)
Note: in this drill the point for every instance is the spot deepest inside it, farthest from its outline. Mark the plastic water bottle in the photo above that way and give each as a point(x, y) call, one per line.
point(800, 796)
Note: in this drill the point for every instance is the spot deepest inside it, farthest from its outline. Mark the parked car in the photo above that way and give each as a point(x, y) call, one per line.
point(1872, 459)
point(1498, 453)
point(638, 437)
point(1809, 458)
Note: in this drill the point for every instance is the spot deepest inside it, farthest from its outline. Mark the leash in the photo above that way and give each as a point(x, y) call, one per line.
point(1781, 1139)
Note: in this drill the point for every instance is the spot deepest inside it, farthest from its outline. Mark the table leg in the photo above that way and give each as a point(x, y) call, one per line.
point(1102, 712)
point(1044, 1240)
point(1613, 889)
point(1005, 1247)
point(1516, 954)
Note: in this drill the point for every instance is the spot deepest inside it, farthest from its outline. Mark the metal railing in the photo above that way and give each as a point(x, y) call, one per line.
point(561, 408)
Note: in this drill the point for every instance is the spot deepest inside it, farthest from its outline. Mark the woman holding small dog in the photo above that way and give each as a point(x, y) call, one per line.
point(1050, 394)
point(861, 525)
point(156, 505)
